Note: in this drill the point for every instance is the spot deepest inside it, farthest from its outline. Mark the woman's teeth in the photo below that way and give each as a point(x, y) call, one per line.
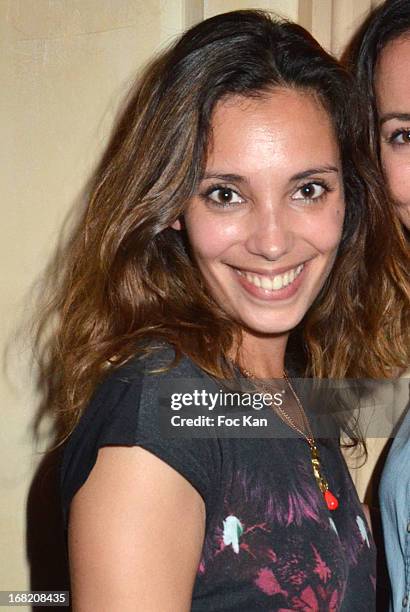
point(272, 283)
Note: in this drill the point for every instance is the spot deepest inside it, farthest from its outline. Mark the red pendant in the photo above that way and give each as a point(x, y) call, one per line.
point(331, 501)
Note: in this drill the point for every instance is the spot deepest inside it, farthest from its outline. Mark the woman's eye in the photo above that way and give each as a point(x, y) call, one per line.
point(224, 196)
point(310, 191)
point(400, 137)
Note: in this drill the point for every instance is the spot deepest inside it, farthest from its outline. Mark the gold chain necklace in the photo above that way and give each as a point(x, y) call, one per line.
point(331, 500)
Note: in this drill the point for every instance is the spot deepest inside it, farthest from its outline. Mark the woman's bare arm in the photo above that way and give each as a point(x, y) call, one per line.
point(135, 535)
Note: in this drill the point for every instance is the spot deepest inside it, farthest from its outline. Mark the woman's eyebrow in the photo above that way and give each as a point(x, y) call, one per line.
point(229, 178)
point(311, 171)
point(237, 178)
point(399, 116)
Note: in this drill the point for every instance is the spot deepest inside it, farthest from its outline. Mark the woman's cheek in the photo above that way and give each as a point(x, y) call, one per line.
point(403, 212)
point(325, 232)
point(396, 167)
point(210, 237)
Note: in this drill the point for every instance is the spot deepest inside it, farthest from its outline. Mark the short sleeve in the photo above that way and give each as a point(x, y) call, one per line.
point(126, 410)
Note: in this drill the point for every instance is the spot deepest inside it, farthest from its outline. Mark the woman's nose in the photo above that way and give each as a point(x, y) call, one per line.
point(270, 234)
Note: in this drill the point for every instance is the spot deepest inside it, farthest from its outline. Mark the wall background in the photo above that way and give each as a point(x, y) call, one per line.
point(64, 65)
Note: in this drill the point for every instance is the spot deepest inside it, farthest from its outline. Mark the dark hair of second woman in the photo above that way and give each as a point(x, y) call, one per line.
point(377, 57)
point(126, 276)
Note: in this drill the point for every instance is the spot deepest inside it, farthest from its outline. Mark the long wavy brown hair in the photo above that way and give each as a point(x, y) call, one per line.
point(124, 276)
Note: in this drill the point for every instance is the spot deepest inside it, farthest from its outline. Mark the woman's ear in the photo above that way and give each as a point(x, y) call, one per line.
point(178, 224)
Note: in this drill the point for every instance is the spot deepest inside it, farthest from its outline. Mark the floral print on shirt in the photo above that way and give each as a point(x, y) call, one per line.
point(261, 540)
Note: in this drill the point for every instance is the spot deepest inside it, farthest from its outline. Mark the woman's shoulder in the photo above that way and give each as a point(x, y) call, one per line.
point(132, 407)
point(133, 397)
point(154, 370)
point(154, 360)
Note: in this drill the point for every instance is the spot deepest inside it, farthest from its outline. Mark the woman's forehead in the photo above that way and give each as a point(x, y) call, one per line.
point(391, 75)
point(283, 126)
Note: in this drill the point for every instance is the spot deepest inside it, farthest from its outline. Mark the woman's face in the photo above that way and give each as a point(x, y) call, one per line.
point(266, 221)
point(392, 85)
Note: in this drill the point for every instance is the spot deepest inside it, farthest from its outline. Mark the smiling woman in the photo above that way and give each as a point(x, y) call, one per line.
point(379, 56)
point(267, 220)
point(233, 227)
point(393, 101)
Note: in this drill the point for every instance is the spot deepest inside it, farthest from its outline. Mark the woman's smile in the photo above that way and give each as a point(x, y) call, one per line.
point(278, 285)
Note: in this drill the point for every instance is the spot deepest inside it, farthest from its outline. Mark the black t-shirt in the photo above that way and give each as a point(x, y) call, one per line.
point(270, 541)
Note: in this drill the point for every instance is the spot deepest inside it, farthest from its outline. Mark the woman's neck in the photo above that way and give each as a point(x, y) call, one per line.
point(262, 356)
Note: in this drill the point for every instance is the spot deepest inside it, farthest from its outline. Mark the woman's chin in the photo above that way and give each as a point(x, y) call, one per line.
point(270, 328)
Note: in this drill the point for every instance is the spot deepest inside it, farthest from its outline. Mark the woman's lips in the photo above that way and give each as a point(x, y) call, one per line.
point(271, 288)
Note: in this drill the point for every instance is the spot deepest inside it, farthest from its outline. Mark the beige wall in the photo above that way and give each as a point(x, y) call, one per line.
point(330, 21)
point(287, 8)
point(63, 67)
